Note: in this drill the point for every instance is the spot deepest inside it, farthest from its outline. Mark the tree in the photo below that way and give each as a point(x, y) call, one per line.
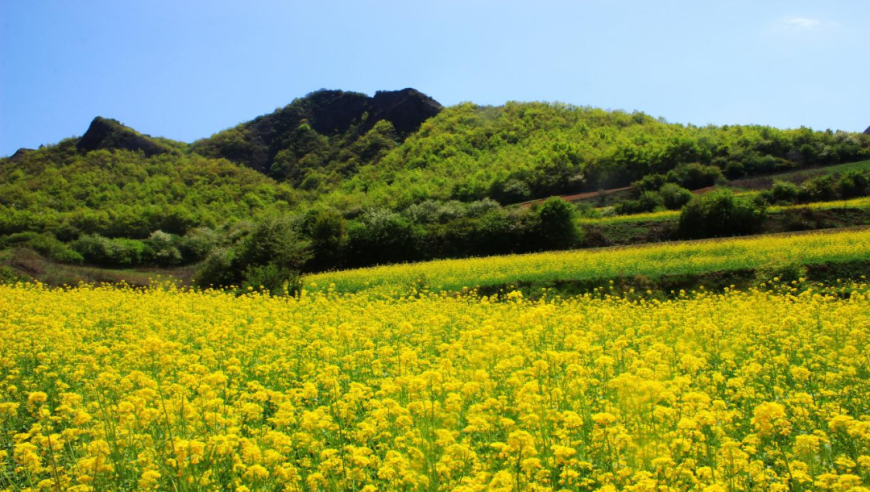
point(555, 227)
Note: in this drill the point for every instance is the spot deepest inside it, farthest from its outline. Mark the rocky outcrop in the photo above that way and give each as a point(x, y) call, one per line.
point(105, 133)
point(19, 154)
point(406, 109)
point(867, 131)
point(343, 116)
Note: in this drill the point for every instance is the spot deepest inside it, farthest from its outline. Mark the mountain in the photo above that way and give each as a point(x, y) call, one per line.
point(19, 154)
point(312, 132)
point(867, 131)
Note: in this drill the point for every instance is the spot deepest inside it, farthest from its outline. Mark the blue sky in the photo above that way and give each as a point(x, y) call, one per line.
point(185, 69)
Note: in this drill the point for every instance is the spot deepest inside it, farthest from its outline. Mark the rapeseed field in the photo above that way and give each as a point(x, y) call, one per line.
point(111, 388)
point(652, 260)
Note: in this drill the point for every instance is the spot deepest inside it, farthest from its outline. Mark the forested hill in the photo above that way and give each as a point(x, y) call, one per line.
point(351, 152)
point(521, 151)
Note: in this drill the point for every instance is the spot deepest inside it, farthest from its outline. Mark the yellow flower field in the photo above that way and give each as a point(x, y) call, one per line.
point(652, 260)
point(120, 389)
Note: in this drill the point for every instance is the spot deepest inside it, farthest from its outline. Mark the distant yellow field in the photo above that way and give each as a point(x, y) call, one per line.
point(861, 203)
point(690, 257)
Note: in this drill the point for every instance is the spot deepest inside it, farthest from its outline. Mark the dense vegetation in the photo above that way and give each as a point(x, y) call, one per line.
point(351, 180)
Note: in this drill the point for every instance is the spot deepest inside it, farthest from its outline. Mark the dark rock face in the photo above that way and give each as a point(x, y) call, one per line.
point(328, 112)
point(867, 131)
point(106, 133)
point(19, 154)
point(331, 112)
point(406, 109)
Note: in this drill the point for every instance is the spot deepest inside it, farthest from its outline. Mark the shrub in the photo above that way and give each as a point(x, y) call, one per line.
point(718, 214)
point(695, 176)
point(853, 184)
point(162, 248)
point(272, 279)
point(782, 192)
point(555, 225)
point(818, 189)
point(674, 196)
point(381, 236)
point(482, 207)
point(649, 201)
point(326, 231)
point(198, 243)
point(118, 252)
point(650, 182)
point(510, 191)
point(735, 170)
point(432, 211)
point(498, 232)
point(276, 241)
point(219, 269)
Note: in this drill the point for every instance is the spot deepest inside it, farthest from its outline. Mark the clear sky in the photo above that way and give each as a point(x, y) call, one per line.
point(185, 69)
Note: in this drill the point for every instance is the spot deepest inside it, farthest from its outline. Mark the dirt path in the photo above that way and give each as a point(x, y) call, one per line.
point(578, 196)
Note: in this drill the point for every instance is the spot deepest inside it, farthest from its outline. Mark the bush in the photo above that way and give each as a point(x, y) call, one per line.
point(718, 214)
point(853, 184)
point(674, 196)
point(326, 231)
point(162, 248)
point(219, 269)
point(818, 189)
point(273, 279)
point(650, 182)
point(435, 212)
point(118, 252)
point(198, 243)
point(381, 236)
point(499, 232)
point(555, 225)
point(695, 176)
point(735, 170)
point(510, 191)
point(276, 241)
point(649, 201)
point(482, 207)
point(782, 193)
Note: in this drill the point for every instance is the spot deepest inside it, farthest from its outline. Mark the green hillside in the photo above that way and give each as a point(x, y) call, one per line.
point(521, 151)
point(342, 179)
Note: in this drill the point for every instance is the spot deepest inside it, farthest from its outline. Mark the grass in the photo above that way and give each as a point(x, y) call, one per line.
point(651, 261)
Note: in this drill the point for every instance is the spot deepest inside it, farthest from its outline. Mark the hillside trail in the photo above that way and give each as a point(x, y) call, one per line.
point(593, 194)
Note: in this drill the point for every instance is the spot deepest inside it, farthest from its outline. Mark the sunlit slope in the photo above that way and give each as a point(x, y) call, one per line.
point(690, 257)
